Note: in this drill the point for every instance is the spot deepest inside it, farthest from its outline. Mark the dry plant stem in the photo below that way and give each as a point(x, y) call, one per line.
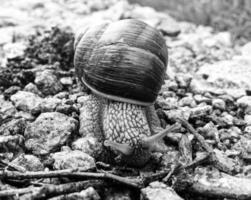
point(54, 190)
point(176, 168)
point(209, 149)
point(12, 166)
point(15, 192)
point(197, 135)
point(71, 174)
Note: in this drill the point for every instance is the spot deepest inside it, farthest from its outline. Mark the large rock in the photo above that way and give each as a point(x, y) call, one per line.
point(49, 132)
point(25, 101)
point(68, 159)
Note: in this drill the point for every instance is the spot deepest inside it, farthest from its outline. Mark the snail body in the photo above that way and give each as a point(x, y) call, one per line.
point(123, 64)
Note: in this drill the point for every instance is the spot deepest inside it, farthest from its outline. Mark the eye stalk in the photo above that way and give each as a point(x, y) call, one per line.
point(151, 142)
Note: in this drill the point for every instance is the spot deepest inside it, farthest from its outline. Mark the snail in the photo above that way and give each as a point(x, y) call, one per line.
point(123, 64)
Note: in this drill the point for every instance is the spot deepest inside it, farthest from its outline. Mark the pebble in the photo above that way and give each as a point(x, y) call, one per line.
point(13, 127)
point(47, 82)
point(31, 87)
point(67, 81)
point(6, 107)
point(25, 101)
point(49, 132)
point(68, 159)
point(159, 191)
point(219, 104)
point(247, 119)
point(187, 101)
point(29, 162)
point(245, 102)
point(89, 145)
point(168, 103)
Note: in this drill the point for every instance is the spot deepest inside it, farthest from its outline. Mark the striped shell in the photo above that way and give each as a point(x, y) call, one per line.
point(123, 61)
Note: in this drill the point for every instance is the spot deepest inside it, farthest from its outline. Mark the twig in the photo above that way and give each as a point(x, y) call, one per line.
point(48, 191)
point(219, 165)
point(197, 135)
point(177, 167)
point(133, 182)
point(11, 166)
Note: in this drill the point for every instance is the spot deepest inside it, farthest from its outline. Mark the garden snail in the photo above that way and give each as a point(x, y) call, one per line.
point(123, 63)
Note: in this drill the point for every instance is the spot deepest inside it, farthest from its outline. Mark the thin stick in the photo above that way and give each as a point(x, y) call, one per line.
point(134, 182)
point(219, 165)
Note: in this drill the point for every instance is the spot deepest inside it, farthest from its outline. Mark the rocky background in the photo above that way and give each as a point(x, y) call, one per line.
point(209, 84)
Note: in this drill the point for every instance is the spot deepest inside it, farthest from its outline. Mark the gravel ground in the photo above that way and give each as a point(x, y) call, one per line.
point(40, 99)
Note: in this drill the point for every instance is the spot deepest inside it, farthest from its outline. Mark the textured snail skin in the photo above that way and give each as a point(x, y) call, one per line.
point(120, 122)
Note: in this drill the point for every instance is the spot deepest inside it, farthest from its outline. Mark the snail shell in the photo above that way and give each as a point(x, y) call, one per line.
point(123, 61)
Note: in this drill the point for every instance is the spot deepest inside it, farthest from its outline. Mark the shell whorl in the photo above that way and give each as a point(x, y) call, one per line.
point(124, 60)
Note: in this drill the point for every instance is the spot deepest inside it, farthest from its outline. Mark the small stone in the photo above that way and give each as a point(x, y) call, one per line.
point(10, 91)
point(247, 119)
point(245, 102)
point(89, 145)
point(227, 118)
point(6, 107)
point(159, 191)
point(62, 95)
point(248, 130)
point(167, 94)
point(26, 115)
point(183, 112)
point(187, 101)
point(72, 160)
point(168, 103)
point(226, 163)
point(31, 87)
point(67, 81)
point(49, 132)
point(29, 162)
point(200, 99)
point(169, 85)
point(67, 109)
point(183, 80)
point(219, 104)
point(201, 111)
point(200, 86)
point(25, 101)
point(13, 127)
point(47, 82)
point(49, 104)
